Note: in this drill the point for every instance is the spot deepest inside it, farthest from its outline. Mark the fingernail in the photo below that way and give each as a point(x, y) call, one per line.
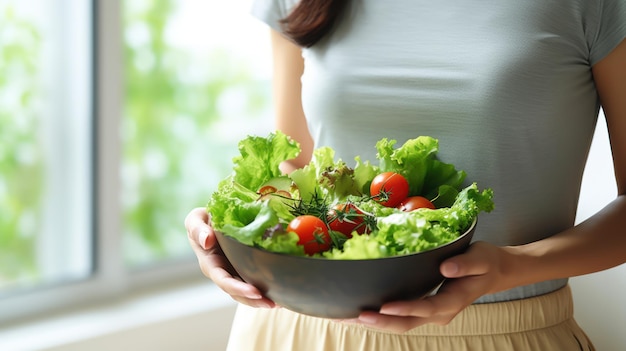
point(263, 304)
point(368, 319)
point(392, 310)
point(450, 269)
point(253, 296)
point(202, 238)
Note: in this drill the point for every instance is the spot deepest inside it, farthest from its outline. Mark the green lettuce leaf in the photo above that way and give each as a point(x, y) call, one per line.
point(234, 206)
point(330, 179)
point(238, 210)
point(416, 161)
point(401, 232)
point(260, 158)
point(284, 242)
point(253, 226)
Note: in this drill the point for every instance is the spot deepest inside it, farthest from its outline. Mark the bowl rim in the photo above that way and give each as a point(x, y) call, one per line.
point(317, 258)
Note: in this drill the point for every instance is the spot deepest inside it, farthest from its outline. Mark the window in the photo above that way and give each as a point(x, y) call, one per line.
point(190, 86)
point(108, 143)
point(46, 144)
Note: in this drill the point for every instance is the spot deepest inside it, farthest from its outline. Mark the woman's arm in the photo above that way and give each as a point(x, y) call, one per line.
point(596, 244)
point(287, 71)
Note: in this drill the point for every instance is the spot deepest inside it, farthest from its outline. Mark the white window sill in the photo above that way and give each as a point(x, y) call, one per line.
point(198, 317)
point(190, 317)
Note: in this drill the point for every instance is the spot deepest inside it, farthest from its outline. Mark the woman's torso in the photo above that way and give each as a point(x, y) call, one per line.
point(506, 87)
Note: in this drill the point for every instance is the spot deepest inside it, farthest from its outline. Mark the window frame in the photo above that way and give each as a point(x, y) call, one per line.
point(109, 277)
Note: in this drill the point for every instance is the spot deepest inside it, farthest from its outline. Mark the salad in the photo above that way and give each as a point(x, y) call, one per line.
point(409, 201)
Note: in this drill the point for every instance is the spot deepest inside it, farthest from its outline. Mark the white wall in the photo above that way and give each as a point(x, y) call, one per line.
point(189, 317)
point(599, 298)
point(204, 331)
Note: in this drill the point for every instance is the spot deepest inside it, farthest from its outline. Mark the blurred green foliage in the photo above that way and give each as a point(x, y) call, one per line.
point(21, 167)
point(174, 153)
point(179, 115)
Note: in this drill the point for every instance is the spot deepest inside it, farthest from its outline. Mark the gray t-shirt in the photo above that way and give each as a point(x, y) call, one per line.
point(506, 87)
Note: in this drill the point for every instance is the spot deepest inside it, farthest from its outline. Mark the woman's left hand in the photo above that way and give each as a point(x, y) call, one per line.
point(479, 271)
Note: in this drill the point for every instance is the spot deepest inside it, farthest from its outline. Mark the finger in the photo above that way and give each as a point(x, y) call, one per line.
point(216, 268)
point(425, 308)
point(196, 216)
point(390, 323)
point(214, 264)
point(241, 291)
point(474, 262)
point(198, 229)
point(440, 309)
point(450, 299)
point(422, 308)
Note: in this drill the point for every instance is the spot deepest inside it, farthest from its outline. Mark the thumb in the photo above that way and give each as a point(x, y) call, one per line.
point(473, 262)
point(198, 229)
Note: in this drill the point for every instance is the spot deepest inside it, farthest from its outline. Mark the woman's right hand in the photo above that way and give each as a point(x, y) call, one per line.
point(214, 264)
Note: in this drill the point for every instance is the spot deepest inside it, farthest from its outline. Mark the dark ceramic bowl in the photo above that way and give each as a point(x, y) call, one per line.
point(340, 288)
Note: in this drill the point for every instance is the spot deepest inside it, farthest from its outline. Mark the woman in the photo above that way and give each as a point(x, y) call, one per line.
point(512, 91)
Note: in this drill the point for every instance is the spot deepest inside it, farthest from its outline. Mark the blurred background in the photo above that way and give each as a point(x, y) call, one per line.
point(116, 118)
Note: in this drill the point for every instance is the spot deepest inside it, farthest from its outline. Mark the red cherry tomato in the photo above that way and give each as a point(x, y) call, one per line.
point(389, 188)
point(414, 202)
point(313, 233)
point(346, 218)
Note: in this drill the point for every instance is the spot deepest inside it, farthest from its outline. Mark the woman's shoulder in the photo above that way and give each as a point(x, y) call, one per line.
point(272, 11)
point(280, 8)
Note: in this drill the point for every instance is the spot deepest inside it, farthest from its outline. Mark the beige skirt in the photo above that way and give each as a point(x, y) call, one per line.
point(538, 323)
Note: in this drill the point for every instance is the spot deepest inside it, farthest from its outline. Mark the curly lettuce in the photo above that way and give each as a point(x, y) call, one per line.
point(238, 208)
point(332, 179)
point(423, 229)
point(416, 160)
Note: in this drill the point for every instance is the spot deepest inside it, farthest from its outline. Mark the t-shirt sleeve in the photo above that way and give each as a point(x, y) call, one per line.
point(272, 11)
point(610, 29)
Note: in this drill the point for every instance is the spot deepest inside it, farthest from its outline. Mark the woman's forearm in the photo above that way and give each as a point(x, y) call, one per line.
point(596, 244)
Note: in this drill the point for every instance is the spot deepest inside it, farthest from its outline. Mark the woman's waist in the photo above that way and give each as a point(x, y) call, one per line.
point(524, 292)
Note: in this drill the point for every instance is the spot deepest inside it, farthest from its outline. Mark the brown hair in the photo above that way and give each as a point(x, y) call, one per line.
point(308, 22)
